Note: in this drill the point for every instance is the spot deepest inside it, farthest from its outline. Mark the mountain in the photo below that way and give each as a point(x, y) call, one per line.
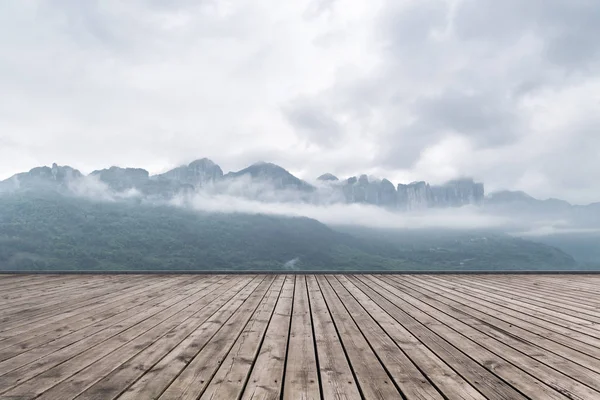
point(123, 178)
point(370, 191)
point(328, 177)
point(51, 231)
point(456, 193)
point(197, 173)
point(574, 229)
point(272, 174)
point(270, 182)
point(520, 202)
point(45, 177)
point(261, 181)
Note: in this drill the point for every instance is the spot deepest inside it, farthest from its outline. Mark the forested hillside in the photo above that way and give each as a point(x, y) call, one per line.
point(51, 231)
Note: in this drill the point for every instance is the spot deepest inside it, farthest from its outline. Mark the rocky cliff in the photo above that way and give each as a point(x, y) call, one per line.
point(197, 173)
point(265, 182)
point(458, 193)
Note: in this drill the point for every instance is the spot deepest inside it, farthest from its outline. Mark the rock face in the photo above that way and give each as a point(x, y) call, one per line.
point(123, 178)
point(197, 173)
point(272, 183)
point(328, 177)
point(414, 196)
point(388, 196)
point(43, 177)
point(274, 175)
point(376, 192)
point(64, 173)
point(458, 193)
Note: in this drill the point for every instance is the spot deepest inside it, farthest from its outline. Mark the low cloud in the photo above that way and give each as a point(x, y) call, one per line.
point(326, 204)
point(91, 187)
point(554, 230)
point(348, 214)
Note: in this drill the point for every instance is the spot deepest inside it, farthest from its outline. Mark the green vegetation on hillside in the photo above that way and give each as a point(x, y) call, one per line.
point(49, 231)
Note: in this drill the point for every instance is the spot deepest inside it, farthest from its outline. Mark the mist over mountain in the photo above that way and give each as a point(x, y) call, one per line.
point(51, 231)
point(516, 221)
point(261, 181)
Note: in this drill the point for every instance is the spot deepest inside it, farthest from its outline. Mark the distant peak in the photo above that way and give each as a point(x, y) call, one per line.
point(510, 194)
point(328, 177)
point(203, 161)
point(265, 164)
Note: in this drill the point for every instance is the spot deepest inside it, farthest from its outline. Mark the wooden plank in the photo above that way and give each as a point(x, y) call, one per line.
point(34, 335)
point(450, 383)
point(301, 380)
point(410, 380)
point(21, 282)
point(373, 379)
point(55, 369)
point(194, 378)
point(37, 300)
point(158, 378)
point(266, 378)
point(536, 347)
point(45, 291)
point(337, 381)
point(456, 336)
point(558, 295)
point(569, 289)
point(571, 323)
point(563, 308)
point(66, 347)
point(109, 377)
point(484, 380)
point(514, 363)
point(231, 377)
point(544, 332)
point(62, 309)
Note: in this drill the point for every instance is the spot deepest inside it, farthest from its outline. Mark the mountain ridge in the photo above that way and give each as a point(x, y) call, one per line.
point(204, 172)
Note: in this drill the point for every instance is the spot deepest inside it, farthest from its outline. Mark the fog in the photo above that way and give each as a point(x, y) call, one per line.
point(325, 204)
point(348, 214)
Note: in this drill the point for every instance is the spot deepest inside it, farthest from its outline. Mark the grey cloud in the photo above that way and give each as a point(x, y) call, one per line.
point(313, 121)
point(318, 86)
point(486, 117)
point(568, 29)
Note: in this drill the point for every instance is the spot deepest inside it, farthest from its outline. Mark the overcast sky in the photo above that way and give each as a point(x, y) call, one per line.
point(505, 91)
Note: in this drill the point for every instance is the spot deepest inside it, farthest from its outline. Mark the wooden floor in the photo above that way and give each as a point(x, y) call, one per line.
point(300, 337)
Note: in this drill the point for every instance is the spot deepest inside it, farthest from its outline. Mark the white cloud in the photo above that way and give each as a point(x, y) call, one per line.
point(349, 214)
point(427, 89)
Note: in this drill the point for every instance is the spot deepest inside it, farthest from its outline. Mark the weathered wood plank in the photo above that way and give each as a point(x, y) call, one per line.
point(230, 378)
point(441, 374)
point(484, 380)
point(410, 380)
point(373, 379)
point(534, 346)
point(301, 381)
point(194, 378)
point(337, 380)
point(172, 311)
point(29, 336)
point(507, 362)
point(266, 379)
point(158, 378)
point(431, 336)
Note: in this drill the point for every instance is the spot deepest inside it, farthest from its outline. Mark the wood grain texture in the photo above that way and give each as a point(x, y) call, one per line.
point(466, 337)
